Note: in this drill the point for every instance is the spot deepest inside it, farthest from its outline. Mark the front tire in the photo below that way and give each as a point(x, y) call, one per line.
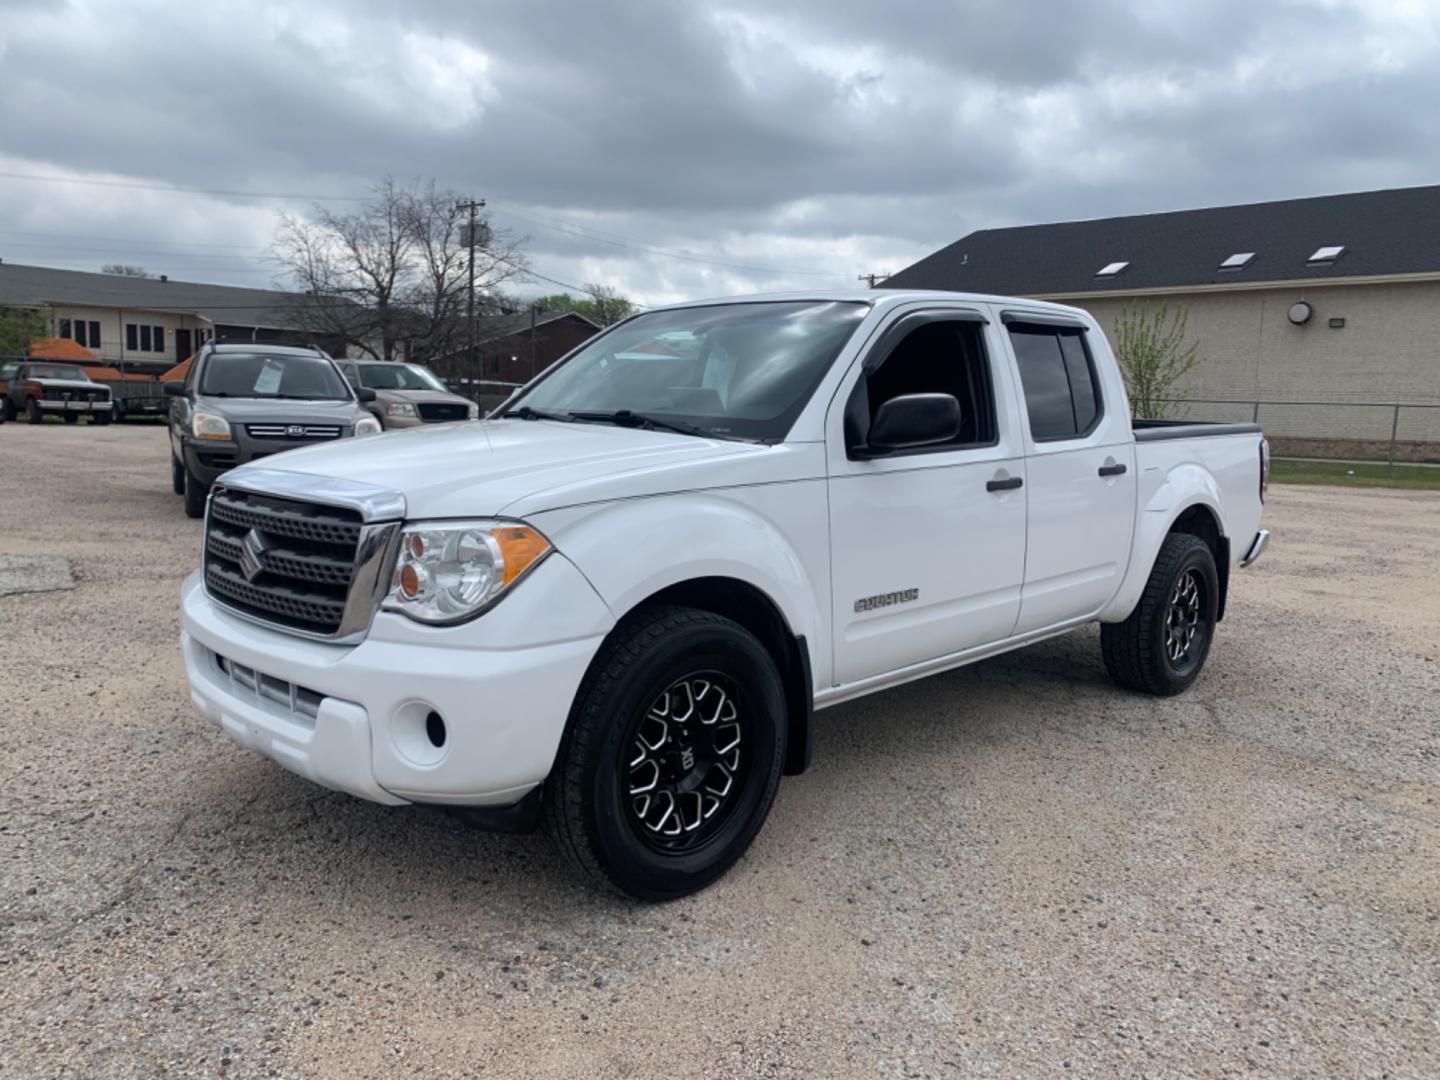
point(195, 495)
point(1161, 648)
point(100, 418)
point(672, 756)
point(34, 413)
point(177, 475)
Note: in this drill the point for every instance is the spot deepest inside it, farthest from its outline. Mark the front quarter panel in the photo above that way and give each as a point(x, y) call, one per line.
point(770, 536)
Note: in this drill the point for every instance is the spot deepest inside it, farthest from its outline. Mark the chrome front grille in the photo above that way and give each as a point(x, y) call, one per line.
point(293, 431)
point(434, 412)
point(305, 567)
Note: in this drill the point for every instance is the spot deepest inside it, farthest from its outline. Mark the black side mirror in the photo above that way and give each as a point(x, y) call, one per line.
point(364, 393)
point(174, 389)
point(912, 420)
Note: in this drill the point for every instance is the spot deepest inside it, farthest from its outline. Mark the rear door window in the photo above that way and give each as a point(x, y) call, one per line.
point(1062, 394)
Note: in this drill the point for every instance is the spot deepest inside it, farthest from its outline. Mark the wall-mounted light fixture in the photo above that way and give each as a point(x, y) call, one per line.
point(1337, 323)
point(1300, 313)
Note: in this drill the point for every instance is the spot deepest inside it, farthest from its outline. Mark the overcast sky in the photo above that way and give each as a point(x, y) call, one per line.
point(677, 149)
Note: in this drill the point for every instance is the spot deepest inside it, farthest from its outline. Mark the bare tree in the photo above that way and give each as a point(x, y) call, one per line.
point(125, 270)
point(1149, 343)
point(391, 277)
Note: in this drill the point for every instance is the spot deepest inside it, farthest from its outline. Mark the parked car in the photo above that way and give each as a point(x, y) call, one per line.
point(41, 388)
point(243, 402)
point(615, 605)
point(407, 395)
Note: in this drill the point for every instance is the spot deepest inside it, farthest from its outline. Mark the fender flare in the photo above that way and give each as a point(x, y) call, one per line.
point(1184, 488)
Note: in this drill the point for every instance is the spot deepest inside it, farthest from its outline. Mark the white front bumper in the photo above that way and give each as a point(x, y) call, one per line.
point(503, 684)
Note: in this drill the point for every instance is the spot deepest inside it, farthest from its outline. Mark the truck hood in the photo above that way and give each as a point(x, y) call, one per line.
point(282, 411)
point(492, 467)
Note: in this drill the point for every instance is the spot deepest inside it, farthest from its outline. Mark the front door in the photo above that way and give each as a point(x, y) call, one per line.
point(1080, 472)
point(928, 544)
point(183, 347)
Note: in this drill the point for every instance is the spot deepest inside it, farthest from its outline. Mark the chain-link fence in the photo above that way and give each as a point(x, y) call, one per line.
point(1346, 430)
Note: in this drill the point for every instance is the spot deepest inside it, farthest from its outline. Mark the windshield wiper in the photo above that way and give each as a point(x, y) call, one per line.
point(525, 412)
point(626, 418)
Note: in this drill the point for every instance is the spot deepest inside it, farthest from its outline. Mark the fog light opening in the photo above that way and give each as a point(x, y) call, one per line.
point(435, 729)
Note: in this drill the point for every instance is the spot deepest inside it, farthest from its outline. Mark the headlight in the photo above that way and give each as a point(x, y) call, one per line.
point(474, 411)
point(400, 408)
point(209, 426)
point(450, 571)
point(367, 425)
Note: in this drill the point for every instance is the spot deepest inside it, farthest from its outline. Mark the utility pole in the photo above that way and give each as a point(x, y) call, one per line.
point(472, 206)
point(873, 278)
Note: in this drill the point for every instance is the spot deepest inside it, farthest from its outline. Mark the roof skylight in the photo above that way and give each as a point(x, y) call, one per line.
point(1327, 254)
point(1238, 260)
point(1111, 269)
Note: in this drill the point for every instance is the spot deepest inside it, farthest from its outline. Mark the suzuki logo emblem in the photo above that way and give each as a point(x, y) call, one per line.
point(252, 554)
point(294, 431)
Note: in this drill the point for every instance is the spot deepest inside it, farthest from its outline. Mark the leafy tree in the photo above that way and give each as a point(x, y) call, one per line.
point(601, 304)
point(392, 277)
point(1149, 343)
point(125, 270)
point(21, 326)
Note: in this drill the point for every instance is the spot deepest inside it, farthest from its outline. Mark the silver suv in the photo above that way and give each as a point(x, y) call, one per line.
point(244, 401)
point(407, 395)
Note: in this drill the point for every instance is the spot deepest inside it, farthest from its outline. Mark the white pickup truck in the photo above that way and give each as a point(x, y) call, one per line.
point(615, 605)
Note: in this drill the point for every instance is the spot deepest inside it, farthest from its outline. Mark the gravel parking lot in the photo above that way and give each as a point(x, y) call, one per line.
point(1014, 869)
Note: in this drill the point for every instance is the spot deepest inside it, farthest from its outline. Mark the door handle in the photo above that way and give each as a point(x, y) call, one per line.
point(1010, 483)
point(1112, 470)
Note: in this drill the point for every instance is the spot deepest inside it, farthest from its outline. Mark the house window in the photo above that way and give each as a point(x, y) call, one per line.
point(94, 334)
point(144, 339)
point(159, 332)
point(132, 339)
point(64, 328)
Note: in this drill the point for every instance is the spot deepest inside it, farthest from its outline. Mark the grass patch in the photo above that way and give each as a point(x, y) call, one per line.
point(1354, 474)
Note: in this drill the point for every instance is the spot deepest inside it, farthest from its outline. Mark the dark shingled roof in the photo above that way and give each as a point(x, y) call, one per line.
point(30, 286)
point(1383, 233)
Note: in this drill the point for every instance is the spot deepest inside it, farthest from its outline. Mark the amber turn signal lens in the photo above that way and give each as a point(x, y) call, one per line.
point(521, 546)
point(409, 582)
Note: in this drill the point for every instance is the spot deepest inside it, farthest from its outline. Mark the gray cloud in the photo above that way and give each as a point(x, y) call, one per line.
point(818, 139)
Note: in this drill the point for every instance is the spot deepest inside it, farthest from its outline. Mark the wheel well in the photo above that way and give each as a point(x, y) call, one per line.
point(743, 603)
point(1199, 520)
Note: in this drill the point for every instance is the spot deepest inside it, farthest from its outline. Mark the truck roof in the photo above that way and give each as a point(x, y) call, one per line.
point(878, 297)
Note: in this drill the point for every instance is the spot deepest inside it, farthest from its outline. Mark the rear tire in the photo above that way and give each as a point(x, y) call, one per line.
point(1162, 646)
point(689, 708)
point(34, 413)
point(100, 417)
point(195, 495)
point(7, 407)
point(177, 475)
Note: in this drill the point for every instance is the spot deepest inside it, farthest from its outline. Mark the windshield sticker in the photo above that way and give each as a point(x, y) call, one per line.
point(268, 381)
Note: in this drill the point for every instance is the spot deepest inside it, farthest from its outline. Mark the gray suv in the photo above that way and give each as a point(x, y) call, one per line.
point(245, 401)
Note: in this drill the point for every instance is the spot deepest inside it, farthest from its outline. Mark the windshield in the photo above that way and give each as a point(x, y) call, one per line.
point(732, 370)
point(272, 375)
point(399, 377)
point(56, 371)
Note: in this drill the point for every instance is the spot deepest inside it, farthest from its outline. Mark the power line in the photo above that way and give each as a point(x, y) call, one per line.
point(667, 253)
point(566, 228)
point(180, 189)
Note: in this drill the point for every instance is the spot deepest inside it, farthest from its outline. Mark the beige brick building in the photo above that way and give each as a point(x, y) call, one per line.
point(1315, 301)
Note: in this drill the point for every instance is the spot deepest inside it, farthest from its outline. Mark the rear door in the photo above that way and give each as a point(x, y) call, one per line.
point(927, 544)
point(1079, 469)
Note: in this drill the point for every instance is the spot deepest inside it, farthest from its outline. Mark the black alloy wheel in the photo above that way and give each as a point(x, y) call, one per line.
point(672, 755)
point(688, 764)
